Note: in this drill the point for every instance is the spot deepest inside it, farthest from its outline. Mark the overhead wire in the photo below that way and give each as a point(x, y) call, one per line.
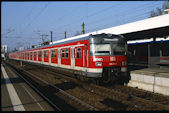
point(70, 12)
point(93, 14)
point(28, 14)
point(125, 10)
point(90, 15)
point(46, 5)
point(133, 17)
point(122, 14)
point(109, 7)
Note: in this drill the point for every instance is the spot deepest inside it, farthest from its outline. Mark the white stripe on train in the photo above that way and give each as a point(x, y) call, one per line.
point(85, 69)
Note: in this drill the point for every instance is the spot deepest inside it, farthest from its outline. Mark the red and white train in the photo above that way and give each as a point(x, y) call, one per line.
point(100, 56)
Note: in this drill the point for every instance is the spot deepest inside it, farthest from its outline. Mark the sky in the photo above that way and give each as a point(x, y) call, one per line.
point(26, 23)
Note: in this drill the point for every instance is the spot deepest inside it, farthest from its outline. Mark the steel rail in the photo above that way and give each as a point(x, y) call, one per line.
point(65, 93)
point(90, 107)
point(50, 102)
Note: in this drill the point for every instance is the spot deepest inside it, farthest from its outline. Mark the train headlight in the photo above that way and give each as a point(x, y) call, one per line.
point(124, 63)
point(97, 59)
point(98, 63)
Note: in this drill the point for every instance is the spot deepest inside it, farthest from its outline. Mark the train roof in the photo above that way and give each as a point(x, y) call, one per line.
point(72, 39)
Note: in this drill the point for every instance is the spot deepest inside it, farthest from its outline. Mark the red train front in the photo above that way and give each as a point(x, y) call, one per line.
point(107, 58)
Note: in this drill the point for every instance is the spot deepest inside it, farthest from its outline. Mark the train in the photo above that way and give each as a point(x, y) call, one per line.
point(100, 57)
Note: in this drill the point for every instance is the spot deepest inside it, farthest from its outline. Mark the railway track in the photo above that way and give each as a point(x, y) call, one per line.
point(154, 97)
point(118, 99)
point(32, 86)
point(52, 103)
point(130, 92)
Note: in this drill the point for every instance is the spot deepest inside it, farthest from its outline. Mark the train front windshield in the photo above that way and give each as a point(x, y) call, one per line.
point(100, 49)
point(107, 46)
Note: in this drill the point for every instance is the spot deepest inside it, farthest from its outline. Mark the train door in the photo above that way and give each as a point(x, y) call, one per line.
point(54, 54)
point(59, 56)
point(28, 55)
point(42, 56)
point(31, 55)
point(72, 57)
point(25, 56)
point(49, 56)
point(39, 55)
point(81, 56)
point(46, 55)
point(35, 56)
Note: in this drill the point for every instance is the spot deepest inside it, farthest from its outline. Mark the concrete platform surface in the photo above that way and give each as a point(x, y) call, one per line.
point(152, 71)
point(151, 79)
point(16, 95)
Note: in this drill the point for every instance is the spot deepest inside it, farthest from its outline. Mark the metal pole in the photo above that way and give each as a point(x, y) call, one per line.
point(83, 31)
point(148, 55)
point(51, 36)
point(65, 34)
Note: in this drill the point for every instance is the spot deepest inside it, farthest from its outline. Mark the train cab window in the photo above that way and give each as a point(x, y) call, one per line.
point(53, 53)
point(67, 53)
point(78, 52)
point(45, 54)
point(63, 53)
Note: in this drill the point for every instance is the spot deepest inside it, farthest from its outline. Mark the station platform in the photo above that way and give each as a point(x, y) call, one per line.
point(16, 95)
point(151, 79)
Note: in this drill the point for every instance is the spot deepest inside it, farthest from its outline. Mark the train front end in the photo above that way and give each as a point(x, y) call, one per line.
point(108, 58)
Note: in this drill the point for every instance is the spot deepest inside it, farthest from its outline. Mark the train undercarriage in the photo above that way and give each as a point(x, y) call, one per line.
point(110, 75)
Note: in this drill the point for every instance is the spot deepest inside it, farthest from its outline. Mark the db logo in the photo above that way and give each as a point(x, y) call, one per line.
point(112, 58)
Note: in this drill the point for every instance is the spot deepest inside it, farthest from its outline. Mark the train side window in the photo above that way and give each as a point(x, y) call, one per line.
point(45, 54)
point(67, 53)
point(78, 52)
point(34, 54)
point(31, 54)
point(53, 53)
point(86, 49)
point(28, 55)
point(63, 53)
point(40, 54)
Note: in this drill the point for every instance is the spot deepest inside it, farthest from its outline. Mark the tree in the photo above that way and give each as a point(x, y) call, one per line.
point(159, 12)
point(153, 14)
point(166, 6)
point(77, 33)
